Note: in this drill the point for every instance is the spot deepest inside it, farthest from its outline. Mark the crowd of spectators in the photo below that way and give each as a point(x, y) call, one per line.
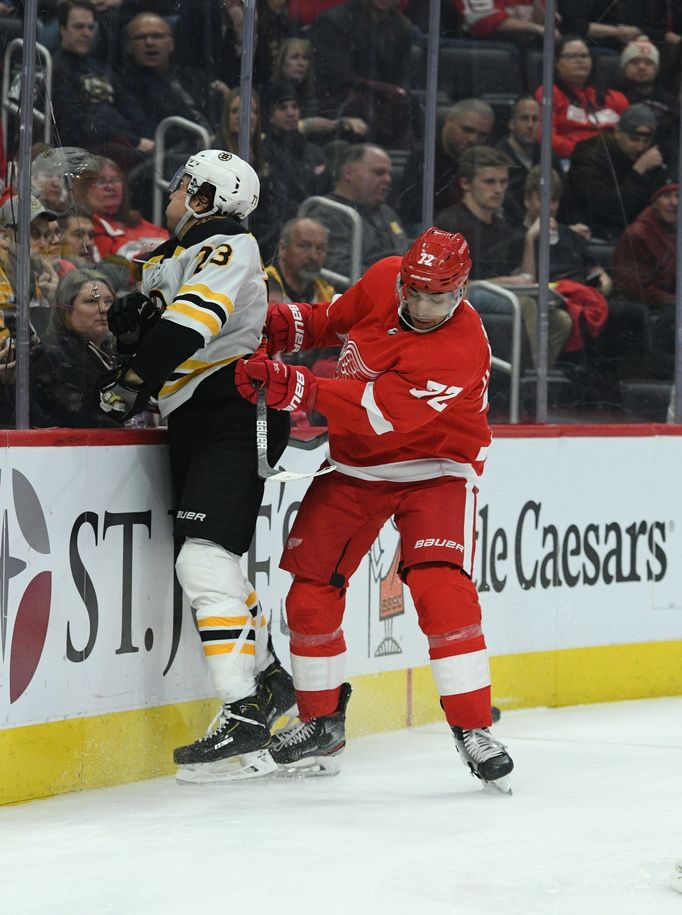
point(337, 138)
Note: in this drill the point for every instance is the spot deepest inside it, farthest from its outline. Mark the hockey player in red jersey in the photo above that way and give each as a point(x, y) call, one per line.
point(408, 435)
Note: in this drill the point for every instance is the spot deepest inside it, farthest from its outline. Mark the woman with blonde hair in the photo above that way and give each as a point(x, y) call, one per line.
point(228, 136)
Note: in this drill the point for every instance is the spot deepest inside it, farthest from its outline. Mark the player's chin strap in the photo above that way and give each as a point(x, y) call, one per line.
point(265, 471)
point(191, 212)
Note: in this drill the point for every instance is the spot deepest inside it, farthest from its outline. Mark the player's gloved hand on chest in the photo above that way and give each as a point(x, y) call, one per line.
point(130, 319)
point(121, 399)
point(285, 327)
point(287, 387)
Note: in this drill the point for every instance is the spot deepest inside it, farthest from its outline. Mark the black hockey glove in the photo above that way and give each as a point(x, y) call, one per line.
point(130, 318)
point(121, 399)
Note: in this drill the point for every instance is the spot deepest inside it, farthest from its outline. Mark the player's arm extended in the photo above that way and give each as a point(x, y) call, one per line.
point(294, 326)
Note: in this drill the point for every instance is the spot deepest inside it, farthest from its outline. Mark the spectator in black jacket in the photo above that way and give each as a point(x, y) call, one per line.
point(91, 106)
point(297, 168)
point(522, 147)
point(640, 63)
point(468, 123)
point(363, 54)
point(614, 24)
point(363, 179)
point(613, 175)
point(75, 355)
point(161, 89)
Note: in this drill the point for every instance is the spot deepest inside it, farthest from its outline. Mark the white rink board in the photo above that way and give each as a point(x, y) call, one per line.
point(540, 499)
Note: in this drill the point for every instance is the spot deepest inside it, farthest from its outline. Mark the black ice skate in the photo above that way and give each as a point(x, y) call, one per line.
point(235, 747)
point(276, 693)
point(487, 758)
point(304, 748)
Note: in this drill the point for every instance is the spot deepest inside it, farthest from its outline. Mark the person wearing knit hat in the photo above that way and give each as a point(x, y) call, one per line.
point(278, 92)
point(641, 49)
point(639, 63)
point(297, 169)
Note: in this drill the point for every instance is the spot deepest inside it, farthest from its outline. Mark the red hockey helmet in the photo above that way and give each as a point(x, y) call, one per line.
point(433, 278)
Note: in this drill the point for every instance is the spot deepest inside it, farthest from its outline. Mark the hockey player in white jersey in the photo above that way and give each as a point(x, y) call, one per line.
point(209, 286)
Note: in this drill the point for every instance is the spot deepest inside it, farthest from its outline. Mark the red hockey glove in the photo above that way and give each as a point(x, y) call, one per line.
point(288, 387)
point(285, 327)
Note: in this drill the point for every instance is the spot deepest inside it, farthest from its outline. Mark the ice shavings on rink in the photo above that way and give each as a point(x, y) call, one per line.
point(593, 828)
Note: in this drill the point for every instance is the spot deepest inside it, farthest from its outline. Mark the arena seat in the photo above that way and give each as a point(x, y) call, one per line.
point(470, 69)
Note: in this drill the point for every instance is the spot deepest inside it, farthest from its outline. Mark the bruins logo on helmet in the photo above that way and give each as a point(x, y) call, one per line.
point(225, 156)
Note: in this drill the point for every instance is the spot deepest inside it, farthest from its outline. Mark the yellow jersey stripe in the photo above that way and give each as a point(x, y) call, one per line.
point(213, 649)
point(172, 386)
point(207, 293)
point(191, 311)
point(225, 622)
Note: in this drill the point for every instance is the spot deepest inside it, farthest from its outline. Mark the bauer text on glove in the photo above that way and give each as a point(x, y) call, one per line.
point(287, 387)
point(286, 327)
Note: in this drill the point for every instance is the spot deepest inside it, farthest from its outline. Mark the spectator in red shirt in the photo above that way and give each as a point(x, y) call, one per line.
point(118, 229)
point(580, 110)
point(519, 21)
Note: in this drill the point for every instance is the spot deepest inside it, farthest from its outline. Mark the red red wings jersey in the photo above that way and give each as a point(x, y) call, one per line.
point(403, 406)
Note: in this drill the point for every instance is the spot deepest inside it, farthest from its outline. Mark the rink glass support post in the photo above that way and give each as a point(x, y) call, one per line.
point(545, 210)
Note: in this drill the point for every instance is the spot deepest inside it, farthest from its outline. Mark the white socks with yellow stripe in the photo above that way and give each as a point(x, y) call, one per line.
point(232, 627)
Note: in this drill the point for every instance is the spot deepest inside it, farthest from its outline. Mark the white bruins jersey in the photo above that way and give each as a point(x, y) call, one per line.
point(217, 287)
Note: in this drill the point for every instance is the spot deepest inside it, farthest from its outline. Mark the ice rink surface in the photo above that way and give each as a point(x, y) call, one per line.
point(593, 827)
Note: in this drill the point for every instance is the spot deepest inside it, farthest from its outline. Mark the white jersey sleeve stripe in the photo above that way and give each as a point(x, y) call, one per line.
point(462, 673)
point(376, 418)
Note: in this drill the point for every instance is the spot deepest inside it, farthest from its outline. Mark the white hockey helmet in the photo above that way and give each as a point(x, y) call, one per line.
point(236, 184)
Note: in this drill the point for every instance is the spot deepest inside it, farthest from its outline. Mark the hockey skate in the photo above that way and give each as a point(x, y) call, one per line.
point(487, 758)
point(235, 747)
point(304, 748)
point(276, 693)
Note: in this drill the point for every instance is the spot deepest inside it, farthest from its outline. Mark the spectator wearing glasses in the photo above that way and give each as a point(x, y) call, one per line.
point(119, 230)
point(613, 176)
point(580, 110)
point(92, 108)
point(161, 89)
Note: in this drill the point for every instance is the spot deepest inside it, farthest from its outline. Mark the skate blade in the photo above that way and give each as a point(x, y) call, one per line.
point(258, 764)
point(501, 785)
point(312, 767)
